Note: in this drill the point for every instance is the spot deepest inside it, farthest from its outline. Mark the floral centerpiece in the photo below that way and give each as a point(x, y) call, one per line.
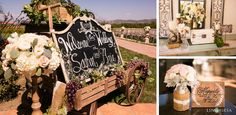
point(122, 31)
point(29, 55)
point(193, 14)
point(177, 33)
point(147, 29)
point(181, 76)
point(147, 35)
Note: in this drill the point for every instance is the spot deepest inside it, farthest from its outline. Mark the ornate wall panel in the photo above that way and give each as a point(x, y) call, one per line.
point(217, 11)
point(165, 8)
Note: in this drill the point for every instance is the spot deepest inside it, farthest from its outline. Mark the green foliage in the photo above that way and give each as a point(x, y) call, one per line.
point(34, 43)
point(39, 72)
point(11, 29)
point(97, 75)
point(219, 41)
point(8, 88)
point(35, 15)
point(8, 74)
point(14, 53)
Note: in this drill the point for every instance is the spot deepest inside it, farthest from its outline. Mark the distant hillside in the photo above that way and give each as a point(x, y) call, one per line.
point(119, 21)
point(131, 23)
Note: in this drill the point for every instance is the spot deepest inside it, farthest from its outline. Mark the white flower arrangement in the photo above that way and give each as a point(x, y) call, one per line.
point(181, 75)
point(193, 12)
point(147, 28)
point(179, 27)
point(30, 54)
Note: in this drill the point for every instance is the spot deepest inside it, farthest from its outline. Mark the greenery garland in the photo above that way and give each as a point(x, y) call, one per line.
point(37, 16)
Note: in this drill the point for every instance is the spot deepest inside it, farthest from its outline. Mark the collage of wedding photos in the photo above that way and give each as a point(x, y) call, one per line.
point(117, 57)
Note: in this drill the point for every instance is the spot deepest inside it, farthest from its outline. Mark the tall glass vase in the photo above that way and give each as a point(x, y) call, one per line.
point(181, 98)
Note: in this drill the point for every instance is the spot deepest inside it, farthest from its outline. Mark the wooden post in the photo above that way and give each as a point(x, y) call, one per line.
point(49, 8)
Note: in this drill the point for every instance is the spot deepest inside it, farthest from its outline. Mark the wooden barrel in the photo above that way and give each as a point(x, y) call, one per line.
point(181, 100)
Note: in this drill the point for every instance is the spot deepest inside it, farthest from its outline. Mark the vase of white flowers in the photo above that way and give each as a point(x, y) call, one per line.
point(177, 33)
point(122, 32)
point(147, 36)
point(30, 56)
point(180, 76)
point(193, 14)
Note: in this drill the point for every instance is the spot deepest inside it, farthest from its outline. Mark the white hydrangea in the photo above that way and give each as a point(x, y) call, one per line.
point(23, 45)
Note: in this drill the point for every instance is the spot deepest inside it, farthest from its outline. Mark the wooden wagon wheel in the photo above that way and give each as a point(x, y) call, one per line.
point(136, 83)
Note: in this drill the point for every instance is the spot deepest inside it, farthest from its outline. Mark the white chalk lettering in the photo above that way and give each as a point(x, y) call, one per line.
point(83, 64)
point(72, 43)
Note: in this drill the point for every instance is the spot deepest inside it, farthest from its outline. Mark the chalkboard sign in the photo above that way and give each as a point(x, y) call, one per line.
point(84, 44)
point(208, 94)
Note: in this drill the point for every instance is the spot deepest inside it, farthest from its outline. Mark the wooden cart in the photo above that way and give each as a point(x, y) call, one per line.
point(97, 90)
point(134, 86)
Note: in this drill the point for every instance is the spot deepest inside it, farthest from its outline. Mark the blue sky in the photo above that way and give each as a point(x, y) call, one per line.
point(103, 9)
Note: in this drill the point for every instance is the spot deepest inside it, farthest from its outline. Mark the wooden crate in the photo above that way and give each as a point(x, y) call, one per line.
point(93, 92)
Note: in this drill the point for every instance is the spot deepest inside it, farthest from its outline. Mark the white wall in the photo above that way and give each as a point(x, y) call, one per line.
point(230, 13)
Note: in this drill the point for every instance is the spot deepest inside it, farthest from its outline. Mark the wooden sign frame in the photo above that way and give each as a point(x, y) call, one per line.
point(208, 95)
point(227, 28)
point(84, 18)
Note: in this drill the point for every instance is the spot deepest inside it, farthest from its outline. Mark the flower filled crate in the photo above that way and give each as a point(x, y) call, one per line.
point(86, 49)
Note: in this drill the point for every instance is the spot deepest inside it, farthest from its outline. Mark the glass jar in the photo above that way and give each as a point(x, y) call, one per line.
point(181, 98)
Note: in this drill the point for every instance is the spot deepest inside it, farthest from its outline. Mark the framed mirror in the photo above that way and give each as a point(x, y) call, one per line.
point(193, 13)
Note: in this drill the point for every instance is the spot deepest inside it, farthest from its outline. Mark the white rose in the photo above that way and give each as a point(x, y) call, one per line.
point(43, 61)
point(23, 45)
point(38, 50)
point(13, 38)
point(54, 61)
